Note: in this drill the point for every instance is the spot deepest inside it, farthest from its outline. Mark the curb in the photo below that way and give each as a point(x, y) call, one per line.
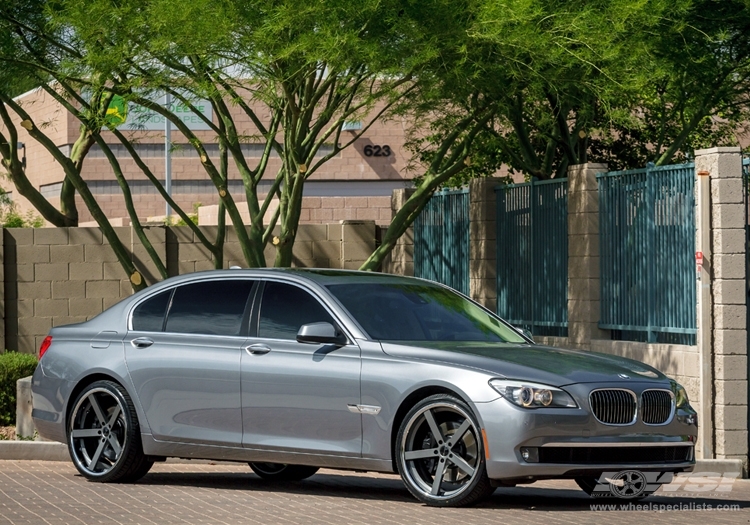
point(34, 450)
point(730, 468)
point(53, 451)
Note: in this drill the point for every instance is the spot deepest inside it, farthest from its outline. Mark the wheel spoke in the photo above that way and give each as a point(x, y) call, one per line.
point(438, 478)
point(115, 445)
point(86, 433)
point(460, 431)
point(433, 426)
point(97, 410)
point(421, 454)
point(462, 464)
point(114, 416)
point(97, 455)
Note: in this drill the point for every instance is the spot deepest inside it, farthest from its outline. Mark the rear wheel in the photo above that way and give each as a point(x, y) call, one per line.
point(440, 453)
point(282, 471)
point(104, 438)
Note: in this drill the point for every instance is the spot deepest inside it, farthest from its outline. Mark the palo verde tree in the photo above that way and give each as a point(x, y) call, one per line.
point(696, 92)
point(571, 82)
point(296, 72)
point(514, 86)
point(37, 52)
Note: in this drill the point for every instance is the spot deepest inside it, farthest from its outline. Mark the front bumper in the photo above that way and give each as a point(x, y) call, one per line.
point(569, 443)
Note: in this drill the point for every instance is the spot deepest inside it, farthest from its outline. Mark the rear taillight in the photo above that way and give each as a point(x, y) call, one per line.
point(45, 345)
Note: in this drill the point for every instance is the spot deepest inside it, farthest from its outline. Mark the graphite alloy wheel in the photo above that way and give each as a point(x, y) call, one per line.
point(104, 438)
point(440, 453)
point(282, 471)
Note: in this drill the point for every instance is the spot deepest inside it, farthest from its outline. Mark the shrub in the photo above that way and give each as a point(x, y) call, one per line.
point(13, 366)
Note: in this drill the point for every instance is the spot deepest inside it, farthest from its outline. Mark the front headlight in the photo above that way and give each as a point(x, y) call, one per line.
point(532, 395)
point(680, 395)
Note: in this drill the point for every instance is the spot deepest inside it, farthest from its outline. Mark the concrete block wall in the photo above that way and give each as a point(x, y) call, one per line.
point(729, 298)
point(401, 259)
point(56, 276)
point(583, 256)
point(483, 242)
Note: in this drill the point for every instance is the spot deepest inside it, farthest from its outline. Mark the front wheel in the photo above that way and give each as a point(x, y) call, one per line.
point(104, 439)
point(440, 453)
point(282, 472)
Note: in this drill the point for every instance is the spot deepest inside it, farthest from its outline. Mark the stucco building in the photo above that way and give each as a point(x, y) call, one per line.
point(353, 185)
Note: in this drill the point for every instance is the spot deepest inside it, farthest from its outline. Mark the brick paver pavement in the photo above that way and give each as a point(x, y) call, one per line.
point(53, 493)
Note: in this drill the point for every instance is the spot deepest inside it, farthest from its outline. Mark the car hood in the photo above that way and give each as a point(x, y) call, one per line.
point(543, 364)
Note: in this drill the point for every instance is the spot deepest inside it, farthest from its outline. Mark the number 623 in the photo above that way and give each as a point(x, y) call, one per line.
point(373, 150)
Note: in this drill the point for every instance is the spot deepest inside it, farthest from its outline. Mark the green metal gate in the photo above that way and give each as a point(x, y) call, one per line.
point(441, 240)
point(532, 255)
point(647, 247)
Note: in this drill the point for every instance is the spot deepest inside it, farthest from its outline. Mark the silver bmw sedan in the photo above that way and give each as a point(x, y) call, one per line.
point(293, 370)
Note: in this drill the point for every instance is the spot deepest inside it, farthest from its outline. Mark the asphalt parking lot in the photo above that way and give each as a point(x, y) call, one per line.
point(41, 492)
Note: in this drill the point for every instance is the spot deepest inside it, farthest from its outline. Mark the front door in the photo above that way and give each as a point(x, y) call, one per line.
point(185, 362)
point(298, 397)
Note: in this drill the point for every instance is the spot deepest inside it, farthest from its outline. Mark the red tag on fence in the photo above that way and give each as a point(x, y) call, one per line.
point(699, 258)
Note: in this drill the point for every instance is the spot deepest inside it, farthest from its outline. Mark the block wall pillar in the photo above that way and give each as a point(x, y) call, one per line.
point(583, 256)
point(725, 367)
point(483, 242)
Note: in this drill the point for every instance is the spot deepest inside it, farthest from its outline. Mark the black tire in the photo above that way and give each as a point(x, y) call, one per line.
point(595, 489)
point(460, 464)
point(104, 438)
point(282, 472)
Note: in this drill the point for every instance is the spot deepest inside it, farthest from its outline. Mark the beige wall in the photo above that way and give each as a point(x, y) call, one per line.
point(56, 276)
point(351, 165)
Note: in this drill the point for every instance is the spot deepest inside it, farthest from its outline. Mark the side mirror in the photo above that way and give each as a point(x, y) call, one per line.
point(320, 333)
point(524, 333)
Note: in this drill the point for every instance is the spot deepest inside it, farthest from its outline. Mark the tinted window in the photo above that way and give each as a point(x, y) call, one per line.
point(420, 312)
point(285, 308)
point(149, 316)
point(212, 307)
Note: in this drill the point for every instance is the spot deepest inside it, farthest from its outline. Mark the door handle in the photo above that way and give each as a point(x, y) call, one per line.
point(141, 342)
point(257, 349)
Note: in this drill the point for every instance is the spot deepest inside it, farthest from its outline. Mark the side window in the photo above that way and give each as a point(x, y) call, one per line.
point(285, 308)
point(149, 315)
point(211, 307)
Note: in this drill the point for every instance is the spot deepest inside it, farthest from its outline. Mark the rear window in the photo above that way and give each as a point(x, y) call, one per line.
point(209, 307)
point(149, 315)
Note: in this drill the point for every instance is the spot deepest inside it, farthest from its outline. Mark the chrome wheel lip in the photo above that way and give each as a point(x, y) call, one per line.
point(409, 472)
point(76, 453)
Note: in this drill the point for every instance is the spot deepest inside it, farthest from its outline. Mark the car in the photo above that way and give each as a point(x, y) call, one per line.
point(291, 370)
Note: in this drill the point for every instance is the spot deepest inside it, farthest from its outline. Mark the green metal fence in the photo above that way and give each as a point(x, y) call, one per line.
point(532, 255)
point(441, 240)
point(647, 248)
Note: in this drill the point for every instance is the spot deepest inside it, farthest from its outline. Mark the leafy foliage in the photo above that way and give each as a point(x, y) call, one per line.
point(10, 217)
point(13, 366)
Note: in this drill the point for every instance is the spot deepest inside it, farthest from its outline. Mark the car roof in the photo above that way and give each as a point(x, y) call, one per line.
point(322, 276)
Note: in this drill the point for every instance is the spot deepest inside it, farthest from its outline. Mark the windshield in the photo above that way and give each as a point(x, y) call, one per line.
point(419, 312)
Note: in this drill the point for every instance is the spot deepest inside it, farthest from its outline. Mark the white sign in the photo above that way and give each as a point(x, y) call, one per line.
point(140, 118)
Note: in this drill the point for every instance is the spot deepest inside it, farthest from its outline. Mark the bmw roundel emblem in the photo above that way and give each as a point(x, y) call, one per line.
point(623, 376)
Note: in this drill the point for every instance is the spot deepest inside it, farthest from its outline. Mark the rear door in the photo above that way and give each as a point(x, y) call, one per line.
point(298, 397)
point(183, 355)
